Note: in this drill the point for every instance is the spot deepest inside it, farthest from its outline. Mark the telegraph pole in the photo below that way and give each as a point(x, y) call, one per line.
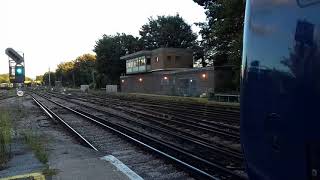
point(49, 79)
point(93, 79)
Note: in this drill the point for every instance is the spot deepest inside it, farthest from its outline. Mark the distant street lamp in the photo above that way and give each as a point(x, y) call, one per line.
point(204, 75)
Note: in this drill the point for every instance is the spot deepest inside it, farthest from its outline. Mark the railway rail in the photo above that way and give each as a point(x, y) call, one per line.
point(5, 97)
point(207, 134)
point(227, 132)
point(193, 105)
point(100, 136)
point(176, 136)
point(221, 119)
point(213, 113)
point(155, 124)
point(204, 108)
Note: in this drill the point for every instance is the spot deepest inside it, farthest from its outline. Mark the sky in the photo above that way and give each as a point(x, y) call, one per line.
point(49, 32)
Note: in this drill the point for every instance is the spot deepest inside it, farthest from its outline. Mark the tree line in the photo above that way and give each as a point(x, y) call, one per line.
point(4, 78)
point(220, 44)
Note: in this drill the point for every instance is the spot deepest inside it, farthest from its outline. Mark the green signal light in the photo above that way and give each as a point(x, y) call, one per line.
point(19, 71)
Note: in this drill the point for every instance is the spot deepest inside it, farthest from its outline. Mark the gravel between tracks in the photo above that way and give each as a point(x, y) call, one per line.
point(69, 103)
point(147, 165)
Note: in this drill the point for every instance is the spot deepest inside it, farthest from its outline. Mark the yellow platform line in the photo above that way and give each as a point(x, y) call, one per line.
point(36, 176)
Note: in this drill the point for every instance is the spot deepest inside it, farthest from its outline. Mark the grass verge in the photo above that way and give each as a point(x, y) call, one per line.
point(178, 99)
point(5, 137)
point(37, 145)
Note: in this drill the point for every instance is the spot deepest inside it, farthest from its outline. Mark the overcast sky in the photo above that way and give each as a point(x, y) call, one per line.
point(53, 31)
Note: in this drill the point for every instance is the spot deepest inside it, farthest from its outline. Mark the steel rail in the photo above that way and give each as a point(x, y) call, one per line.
point(120, 129)
point(54, 116)
point(184, 136)
point(184, 122)
point(203, 113)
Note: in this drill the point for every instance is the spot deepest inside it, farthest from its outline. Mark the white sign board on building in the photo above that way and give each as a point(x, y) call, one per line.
point(111, 88)
point(84, 88)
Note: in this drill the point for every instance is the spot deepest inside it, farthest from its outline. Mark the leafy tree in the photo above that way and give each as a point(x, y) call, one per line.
point(65, 73)
point(4, 78)
point(199, 55)
point(76, 72)
point(39, 78)
point(28, 79)
point(52, 78)
point(222, 34)
point(108, 51)
point(84, 67)
point(167, 31)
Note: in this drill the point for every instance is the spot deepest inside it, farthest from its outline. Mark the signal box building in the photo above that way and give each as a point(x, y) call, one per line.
point(169, 71)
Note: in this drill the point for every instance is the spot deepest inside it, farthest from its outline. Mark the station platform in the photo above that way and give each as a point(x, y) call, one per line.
point(71, 162)
point(81, 163)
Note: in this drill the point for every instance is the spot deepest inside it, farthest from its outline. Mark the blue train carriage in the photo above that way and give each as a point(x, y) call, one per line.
point(280, 94)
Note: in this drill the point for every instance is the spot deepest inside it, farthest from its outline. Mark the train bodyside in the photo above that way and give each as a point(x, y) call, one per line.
point(280, 91)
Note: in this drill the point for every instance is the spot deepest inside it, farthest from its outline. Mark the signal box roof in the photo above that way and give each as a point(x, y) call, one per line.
point(137, 54)
point(155, 51)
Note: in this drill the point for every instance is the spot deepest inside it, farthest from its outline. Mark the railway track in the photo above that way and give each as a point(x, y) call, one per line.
point(208, 113)
point(225, 141)
point(154, 123)
point(192, 105)
point(193, 119)
point(97, 134)
point(5, 97)
point(229, 160)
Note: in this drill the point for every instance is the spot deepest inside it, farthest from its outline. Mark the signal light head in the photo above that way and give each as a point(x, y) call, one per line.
point(19, 70)
point(19, 74)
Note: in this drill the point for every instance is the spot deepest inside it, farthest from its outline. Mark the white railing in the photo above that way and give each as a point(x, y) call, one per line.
point(227, 98)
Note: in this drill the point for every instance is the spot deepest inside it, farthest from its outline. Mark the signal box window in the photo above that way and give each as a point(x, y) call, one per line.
point(148, 61)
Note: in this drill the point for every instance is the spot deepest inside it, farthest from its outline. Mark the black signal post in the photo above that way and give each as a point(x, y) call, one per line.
point(16, 66)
